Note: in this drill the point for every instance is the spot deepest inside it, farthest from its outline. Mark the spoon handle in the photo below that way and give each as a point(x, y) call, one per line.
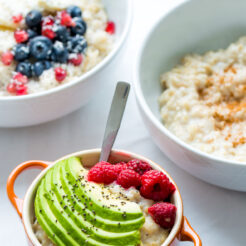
point(114, 118)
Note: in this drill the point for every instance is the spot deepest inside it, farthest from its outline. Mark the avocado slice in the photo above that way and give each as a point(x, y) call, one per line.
point(74, 211)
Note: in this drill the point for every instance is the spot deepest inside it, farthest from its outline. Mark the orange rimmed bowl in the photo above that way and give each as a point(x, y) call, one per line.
point(181, 231)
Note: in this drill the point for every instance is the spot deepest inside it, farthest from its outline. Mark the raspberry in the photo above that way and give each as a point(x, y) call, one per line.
point(17, 18)
point(7, 58)
point(76, 59)
point(20, 78)
point(120, 166)
point(48, 32)
point(66, 19)
point(11, 88)
point(110, 28)
point(156, 185)
point(48, 21)
point(60, 74)
point(128, 178)
point(163, 214)
point(103, 172)
point(20, 36)
point(139, 166)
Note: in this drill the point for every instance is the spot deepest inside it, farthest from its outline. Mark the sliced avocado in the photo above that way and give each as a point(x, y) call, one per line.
point(74, 211)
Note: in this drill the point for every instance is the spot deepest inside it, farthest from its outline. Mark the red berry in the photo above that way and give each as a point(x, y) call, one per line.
point(155, 185)
point(60, 74)
point(163, 214)
point(18, 85)
point(120, 166)
point(66, 19)
point(103, 172)
point(17, 18)
point(11, 88)
point(48, 32)
point(20, 36)
point(76, 59)
point(7, 58)
point(139, 166)
point(48, 21)
point(110, 28)
point(19, 77)
point(128, 178)
point(21, 89)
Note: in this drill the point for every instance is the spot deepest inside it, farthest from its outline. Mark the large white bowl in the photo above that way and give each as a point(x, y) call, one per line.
point(194, 26)
point(49, 105)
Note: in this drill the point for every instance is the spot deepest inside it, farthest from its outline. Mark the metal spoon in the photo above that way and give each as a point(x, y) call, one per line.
point(114, 118)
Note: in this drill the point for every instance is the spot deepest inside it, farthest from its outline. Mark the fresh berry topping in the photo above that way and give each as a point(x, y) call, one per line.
point(7, 58)
point(47, 65)
point(40, 47)
point(163, 214)
point(120, 167)
point(74, 11)
point(139, 166)
point(62, 33)
point(156, 185)
point(21, 52)
point(79, 27)
point(38, 68)
point(17, 18)
point(103, 172)
point(48, 21)
point(128, 178)
point(60, 74)
point(33, 18)
point(25, 68)
point(76, 44)
point(66, 19)
point(59, 52)
point(48, 32)
point(21, 89)
point(11, 88)
point(18, 85)
point(20, 36)
point(31, 33)
point(76, 59)
point(110, 28)
point(18, 77)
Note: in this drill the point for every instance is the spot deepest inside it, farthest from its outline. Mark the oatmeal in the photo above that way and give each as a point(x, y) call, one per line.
point(204, 101)
point(45, 73)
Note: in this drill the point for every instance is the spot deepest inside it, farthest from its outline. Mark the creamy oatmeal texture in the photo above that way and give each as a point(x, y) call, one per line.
point(151, 233)
point(99, 41)
point(204, 101)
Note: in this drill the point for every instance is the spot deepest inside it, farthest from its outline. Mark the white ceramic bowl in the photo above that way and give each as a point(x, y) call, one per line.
point(181, 231)
point(49, 105)
point(194, 26)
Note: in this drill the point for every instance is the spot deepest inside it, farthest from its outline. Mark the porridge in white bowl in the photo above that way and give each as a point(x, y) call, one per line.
point(204, 101)
point(74, 38)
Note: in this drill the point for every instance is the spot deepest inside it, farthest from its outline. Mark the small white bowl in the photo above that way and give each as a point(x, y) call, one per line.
point(181, 231)
point(54, 103)
point(194, 26)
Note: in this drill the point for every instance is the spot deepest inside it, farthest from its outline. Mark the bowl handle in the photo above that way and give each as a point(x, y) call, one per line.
point(16, 201)
point(187, 233)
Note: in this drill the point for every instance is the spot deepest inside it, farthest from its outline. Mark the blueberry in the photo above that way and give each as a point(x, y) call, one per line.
point(62, 33)
point(38, 68)
point(31, 33)
point(59, 53)
point(47, 65)
point(40, 47)
point(21, 52)
point(76, 44)
point(74, 11)
point(33, 18)
point(80, 26)
point(25, 68)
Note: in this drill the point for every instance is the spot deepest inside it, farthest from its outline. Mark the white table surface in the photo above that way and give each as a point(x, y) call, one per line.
point(218, 215)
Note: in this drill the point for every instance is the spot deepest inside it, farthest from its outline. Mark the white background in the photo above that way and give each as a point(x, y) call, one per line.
point(218, 215)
